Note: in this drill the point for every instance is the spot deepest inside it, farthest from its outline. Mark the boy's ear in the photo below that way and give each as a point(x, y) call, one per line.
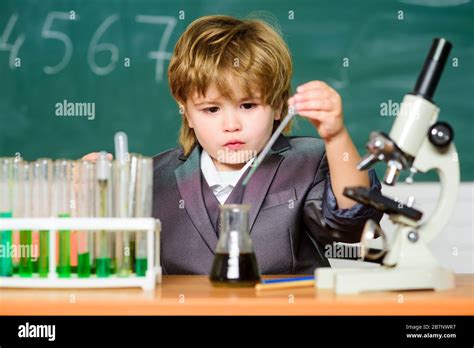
point(182, 111)
point(190, 124)
point(278, 111)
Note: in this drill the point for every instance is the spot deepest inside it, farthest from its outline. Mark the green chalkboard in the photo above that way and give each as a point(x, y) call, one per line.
point(113, 55)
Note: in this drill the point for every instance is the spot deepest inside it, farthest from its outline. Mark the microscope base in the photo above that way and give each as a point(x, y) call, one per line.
point(353, 281)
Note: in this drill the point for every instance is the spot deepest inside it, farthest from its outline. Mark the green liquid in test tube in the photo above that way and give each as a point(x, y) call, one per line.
point(24, 209)
point(102, 261)
point(103, 202)
point(6, 177)
point(42, 181)
point(43, 262)
point(6, 266)
point(85, 185)
point(143, 208)
point(83, 265)
point(62, 182)
point(64, 263)
point(26, 265)
point(35, 254)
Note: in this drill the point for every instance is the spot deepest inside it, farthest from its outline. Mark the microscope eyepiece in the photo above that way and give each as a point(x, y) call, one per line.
point(432, 69)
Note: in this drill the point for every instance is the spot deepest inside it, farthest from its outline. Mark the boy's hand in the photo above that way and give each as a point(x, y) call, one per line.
point(94, 156)
point(322, 105)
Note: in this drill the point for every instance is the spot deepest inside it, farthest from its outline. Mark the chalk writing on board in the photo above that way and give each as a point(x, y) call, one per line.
point(97, 45)
point(48, 33)
point(161, 55)
point(5, 38)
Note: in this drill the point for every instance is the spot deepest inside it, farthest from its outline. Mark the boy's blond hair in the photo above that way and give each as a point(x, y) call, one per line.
point(214, 46)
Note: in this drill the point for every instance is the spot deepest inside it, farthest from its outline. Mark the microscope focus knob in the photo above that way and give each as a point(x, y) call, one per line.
point(440, 134)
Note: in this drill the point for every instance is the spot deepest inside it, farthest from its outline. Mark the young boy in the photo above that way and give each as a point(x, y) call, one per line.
point(231, 79)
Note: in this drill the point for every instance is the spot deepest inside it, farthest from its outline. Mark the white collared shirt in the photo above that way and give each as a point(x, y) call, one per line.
point(221, 182)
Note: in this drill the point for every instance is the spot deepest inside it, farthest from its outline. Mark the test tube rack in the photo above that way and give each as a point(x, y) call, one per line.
point(53, 225)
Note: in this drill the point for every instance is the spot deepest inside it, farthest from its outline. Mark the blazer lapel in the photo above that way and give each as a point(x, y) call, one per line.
point(258, 185)
point(188, 179)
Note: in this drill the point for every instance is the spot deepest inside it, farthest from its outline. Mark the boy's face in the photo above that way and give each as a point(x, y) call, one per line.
point(231, 131)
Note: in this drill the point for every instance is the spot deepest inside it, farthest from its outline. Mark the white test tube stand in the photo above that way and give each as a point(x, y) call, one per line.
point(150, 225)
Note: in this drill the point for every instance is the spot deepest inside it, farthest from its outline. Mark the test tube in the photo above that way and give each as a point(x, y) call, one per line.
point(122, 238)
point(6, 166)
point(121, 167)
point(62, 181)
point(15, 201)
point(103, 208)
point(143, 208)
point(23, 209)
point(42, 181)
point(73, 213)
point(134, 162)
point(85, 189)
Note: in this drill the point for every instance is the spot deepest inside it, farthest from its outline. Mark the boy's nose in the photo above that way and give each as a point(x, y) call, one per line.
point(231, 123)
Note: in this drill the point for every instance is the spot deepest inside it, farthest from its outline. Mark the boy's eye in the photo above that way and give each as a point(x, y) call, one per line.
point(211, 110)
point(248, 106)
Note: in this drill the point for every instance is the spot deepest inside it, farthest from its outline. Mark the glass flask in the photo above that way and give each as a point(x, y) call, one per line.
point(235, 263)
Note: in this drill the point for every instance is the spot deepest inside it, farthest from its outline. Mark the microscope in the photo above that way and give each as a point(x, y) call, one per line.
point(416, 143)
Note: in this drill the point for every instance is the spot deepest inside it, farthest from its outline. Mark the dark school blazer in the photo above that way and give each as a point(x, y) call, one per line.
point(293, 212)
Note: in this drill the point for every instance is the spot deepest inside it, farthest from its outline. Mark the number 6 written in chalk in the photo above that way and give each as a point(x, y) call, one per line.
point(95, 47)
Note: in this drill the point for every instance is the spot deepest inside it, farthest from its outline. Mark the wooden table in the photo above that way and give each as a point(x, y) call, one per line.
point(194, 295)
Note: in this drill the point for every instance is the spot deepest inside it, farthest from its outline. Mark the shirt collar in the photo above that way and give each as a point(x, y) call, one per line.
point(211, 173)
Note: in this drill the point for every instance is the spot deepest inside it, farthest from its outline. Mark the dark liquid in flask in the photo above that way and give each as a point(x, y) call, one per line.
point(236, 270)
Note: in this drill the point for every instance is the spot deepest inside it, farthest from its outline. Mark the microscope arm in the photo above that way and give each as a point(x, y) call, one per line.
point(445, 162)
